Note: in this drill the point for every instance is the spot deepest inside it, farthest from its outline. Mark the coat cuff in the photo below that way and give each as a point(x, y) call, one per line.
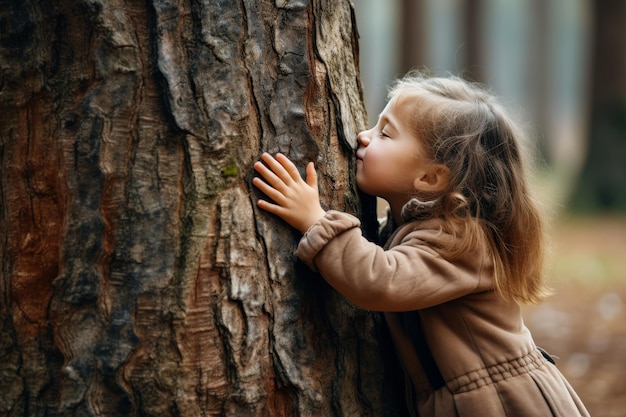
point(328, 227)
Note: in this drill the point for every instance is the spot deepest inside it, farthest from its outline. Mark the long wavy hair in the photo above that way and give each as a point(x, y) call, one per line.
point(463, 127)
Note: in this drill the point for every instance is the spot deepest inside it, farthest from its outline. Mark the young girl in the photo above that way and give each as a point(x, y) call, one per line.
point(467, 251)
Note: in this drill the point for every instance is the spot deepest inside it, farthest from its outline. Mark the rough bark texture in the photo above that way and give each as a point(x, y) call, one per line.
point(138, 277)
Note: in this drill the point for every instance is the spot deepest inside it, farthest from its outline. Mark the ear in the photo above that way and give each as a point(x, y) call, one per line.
point(435, 178)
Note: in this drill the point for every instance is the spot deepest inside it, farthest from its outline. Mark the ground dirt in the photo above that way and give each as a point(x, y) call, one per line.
point(584, 323)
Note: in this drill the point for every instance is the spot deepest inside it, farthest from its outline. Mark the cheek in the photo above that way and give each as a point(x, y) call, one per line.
point(373, 171)
point(368, 168)
point(374, 160)
point(385, 164)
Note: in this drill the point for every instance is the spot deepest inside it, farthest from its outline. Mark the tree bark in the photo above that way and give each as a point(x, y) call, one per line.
point(138, 276)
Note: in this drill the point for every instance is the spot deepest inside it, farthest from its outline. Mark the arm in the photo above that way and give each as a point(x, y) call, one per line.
point(296, 201)
point(409, 276)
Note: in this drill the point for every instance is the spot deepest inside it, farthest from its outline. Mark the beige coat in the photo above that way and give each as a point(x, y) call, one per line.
point(485, 354)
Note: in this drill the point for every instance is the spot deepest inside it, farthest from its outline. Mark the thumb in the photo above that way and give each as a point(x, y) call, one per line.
point(311, 175)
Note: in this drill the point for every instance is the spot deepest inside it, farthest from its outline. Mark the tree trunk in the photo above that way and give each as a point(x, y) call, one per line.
point(602, 184)
point(474, 60)
point(538, 76)
point(412, 35)
point(138, 276)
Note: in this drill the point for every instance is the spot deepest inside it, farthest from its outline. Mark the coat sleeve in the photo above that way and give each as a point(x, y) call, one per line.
point(411, 275)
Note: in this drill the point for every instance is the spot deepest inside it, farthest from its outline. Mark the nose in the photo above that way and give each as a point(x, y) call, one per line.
point(363, 138)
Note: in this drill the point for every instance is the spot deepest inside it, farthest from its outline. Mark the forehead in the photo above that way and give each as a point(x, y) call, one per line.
point(405, 111)
point(399, 111)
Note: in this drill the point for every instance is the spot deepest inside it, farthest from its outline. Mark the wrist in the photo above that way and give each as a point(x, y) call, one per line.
point(311, 220)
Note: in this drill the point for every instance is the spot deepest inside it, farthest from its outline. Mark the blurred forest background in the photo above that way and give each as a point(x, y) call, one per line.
point(560, 68)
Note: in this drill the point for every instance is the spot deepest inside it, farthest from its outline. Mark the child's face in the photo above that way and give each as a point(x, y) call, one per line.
point(390, 158)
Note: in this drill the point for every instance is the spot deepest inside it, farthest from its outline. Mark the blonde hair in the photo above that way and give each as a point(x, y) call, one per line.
point(464, 128)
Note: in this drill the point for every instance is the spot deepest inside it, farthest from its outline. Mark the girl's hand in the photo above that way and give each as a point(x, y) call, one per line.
point(295, 201)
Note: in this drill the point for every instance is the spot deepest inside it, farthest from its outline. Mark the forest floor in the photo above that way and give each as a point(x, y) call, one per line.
point(584, 323)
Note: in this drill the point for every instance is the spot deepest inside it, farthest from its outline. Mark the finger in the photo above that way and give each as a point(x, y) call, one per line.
point(267, 206)
point(271, 208)
point(268, 190)
point(277, 168)
point(311, 175)
point(269, 175)
point(289, 166)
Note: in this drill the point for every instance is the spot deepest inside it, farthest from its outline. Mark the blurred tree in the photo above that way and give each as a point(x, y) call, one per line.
point(413, 37)
point(539, 74)
point(137, 275)
point(474, 59)
point(602, 183)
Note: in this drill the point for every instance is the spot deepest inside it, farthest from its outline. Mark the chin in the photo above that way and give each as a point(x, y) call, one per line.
point(359, 183)
point(364, 190)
